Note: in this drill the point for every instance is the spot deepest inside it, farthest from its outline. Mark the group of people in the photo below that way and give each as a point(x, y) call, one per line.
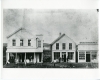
point(63, 58)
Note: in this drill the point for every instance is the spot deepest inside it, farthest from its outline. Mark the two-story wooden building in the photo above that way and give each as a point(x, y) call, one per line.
point(63, 47)
point(23, 46)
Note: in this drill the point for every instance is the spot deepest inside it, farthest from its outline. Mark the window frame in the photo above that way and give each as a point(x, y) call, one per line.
point(29, 42)
point(21, 44)
point(63, 46)
point(39, 43)
point(92, 55)
point(56, 55)
point(81, 55)
point(70, 46)
point(70, 55)
point(13, 43)
point(57, 46)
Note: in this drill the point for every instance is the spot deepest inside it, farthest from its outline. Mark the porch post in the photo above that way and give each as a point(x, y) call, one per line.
point(52, 56)
point(42, 57)
point(74, 56)
point(16, 60)
point(61, 56)
point(78, 56)
point(85, 56)
point(90, 56)
point(34, 58)
point(7, 57)
point(66, 56)
point(25, 58)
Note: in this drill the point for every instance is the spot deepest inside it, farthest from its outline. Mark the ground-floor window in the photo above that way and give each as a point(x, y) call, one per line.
point(56, 55)
point(11, 57)
point(81, 55)
point(88, 52)
point(94, 55)
point(70, 55)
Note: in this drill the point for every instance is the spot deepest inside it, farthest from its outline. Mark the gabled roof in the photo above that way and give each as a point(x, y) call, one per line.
point(57, 39)
point(15, 32)
point(60, 38)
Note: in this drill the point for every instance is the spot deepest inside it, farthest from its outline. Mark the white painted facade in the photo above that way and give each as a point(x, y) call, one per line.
point(88, 52)
point(64, 39)
point(20, 51)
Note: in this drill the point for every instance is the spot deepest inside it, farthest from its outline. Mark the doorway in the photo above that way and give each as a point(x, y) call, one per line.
point(40, 57)
point(23, 56)
point(87, 57)
point(64, 57)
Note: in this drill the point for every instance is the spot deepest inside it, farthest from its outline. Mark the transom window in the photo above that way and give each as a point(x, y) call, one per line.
point(57, 45)
point(21, 42)
point(14, 42)
point(70, 46)
point(70, 55)
point(29, 42)
point(87, 52)
point(81, 55)
point(39, 43)
point(56, 55)
point(94, 55)
point(63, 45)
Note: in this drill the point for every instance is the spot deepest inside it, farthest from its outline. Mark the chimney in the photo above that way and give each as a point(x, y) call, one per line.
point(60, 34)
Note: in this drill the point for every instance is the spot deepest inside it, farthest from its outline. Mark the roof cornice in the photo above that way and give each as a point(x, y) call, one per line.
point(57, 39)
point(15, 32)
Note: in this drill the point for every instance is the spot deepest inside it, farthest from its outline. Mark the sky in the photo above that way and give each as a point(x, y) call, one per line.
point(81, 25)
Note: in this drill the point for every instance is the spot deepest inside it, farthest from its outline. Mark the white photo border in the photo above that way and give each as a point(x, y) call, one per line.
point(43, 73)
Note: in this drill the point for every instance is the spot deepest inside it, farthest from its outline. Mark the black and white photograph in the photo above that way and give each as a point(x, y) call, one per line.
point(50, 38)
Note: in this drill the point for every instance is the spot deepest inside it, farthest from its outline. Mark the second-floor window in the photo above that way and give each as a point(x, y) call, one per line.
point(63, 45)
point(70, 46)
point(57, 45)
point(39, 43)
point(21, 42)
point(14, 42)
point(29, 42)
